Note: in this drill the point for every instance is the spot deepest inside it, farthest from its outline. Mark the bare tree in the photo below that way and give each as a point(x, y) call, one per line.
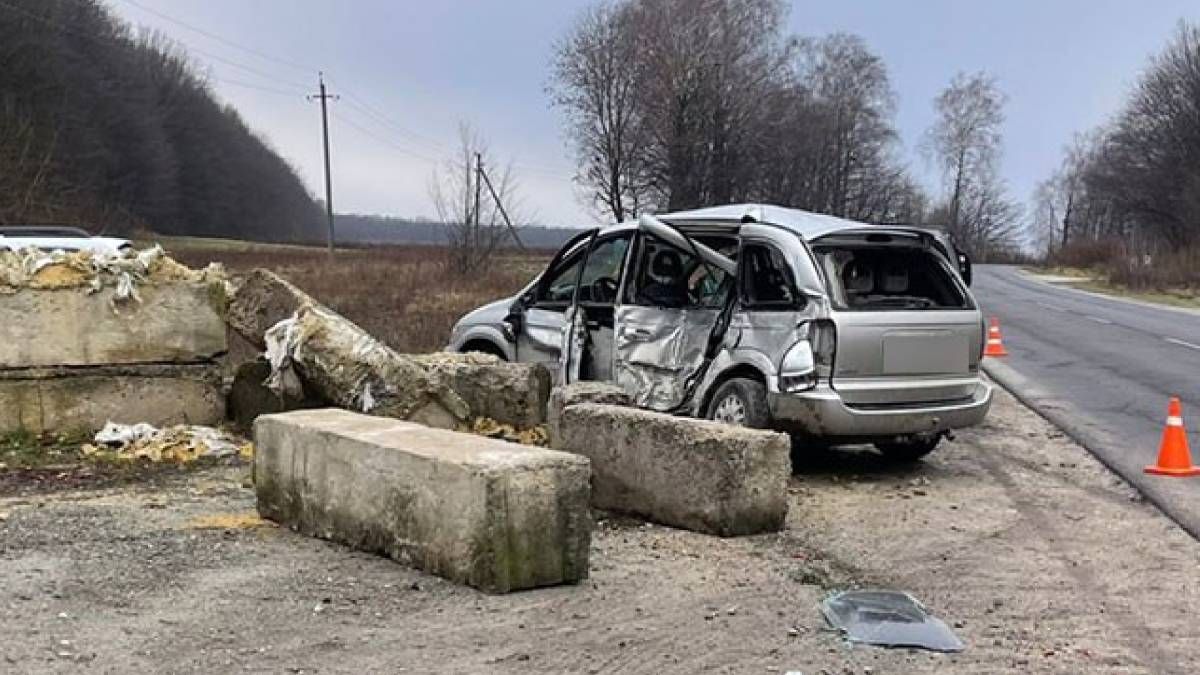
point(595, 83)
point(676, 104)
point(1148, 165)
point(477, 222)
point(965, 141)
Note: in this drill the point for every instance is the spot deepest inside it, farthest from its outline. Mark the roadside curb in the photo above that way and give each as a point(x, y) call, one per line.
point(1062, 414)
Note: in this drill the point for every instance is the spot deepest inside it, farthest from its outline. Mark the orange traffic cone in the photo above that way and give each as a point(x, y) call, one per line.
point(994, 346)
point(1173, 456)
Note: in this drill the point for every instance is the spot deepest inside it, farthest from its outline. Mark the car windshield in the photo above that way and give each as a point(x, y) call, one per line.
point(881, 278)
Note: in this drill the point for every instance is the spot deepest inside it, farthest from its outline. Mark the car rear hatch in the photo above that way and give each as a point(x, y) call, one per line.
point(908, 332)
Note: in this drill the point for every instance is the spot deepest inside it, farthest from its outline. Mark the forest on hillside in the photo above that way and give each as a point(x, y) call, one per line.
point(116, 130)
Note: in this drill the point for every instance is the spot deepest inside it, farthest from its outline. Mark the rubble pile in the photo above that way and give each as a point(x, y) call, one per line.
point(180, 444)
point(130, 337)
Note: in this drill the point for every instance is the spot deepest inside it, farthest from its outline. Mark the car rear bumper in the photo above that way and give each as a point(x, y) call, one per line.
point(822, 413)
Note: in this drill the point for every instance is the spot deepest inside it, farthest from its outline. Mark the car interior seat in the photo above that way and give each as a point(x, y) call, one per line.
point(666, 285)
point(858, 279)
point(895, 280)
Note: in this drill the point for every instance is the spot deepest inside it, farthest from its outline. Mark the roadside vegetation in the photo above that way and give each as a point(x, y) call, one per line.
point(1124, 206)
point(407, 296)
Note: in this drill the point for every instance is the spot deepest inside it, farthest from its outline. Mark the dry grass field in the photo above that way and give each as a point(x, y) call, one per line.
point(407, 296)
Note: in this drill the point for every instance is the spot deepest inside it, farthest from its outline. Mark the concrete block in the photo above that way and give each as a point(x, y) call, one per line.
point(494, 515)
point(580, 392)
point(695, 474)
point(60, 399)
point(341, 363)
point(176, 322)
point(261, 300)
point(510, 393)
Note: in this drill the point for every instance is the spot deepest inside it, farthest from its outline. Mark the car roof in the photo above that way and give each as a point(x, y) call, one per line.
point(42, 231)
point(807, 224)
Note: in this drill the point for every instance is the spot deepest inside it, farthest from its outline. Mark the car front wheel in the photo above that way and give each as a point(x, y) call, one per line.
point(741, 402)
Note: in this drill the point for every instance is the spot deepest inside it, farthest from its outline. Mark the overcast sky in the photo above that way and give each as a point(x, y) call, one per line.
point(410, 71)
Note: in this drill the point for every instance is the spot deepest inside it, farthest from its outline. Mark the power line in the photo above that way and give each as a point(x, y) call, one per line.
point(249, 85)
point(370, 134)
point(357, 102)
point(102, 39)
point(222, 40)
point(372, 112)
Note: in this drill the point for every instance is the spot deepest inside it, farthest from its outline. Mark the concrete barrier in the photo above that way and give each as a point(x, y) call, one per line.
point(175, 322)
point(494, 515)
point(510, 393)
point(63, 399)
point(695, 474)
point(261, 300)
point(580, 392)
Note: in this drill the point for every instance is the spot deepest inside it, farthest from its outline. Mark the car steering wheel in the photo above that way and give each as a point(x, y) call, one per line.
point(604, 289)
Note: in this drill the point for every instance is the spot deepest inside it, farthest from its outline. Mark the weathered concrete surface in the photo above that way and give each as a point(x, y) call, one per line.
point(580, 392)
point(695, 474)
point(494, 515)
point(63, 399)
point(337, 360)
point(249, 397)
point(341, 363)
point(510, 393)
point(176, 322)
point(261, 300)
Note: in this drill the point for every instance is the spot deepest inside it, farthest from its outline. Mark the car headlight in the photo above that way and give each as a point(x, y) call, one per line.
point(797, 370)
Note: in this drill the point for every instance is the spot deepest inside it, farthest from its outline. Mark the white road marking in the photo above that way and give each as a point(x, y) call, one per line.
point(1053, 307)
point(1097, 319)
point(1182, 343)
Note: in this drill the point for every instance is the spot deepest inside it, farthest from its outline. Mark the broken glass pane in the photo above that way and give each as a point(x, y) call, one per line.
point(888, 619)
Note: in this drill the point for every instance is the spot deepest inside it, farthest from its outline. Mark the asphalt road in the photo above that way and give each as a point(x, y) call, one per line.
point(1103, 369)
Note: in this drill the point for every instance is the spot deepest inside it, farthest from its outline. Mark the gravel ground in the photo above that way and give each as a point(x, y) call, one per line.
point(1039, 558)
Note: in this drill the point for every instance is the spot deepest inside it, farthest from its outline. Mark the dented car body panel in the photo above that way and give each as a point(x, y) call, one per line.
point(853, 331)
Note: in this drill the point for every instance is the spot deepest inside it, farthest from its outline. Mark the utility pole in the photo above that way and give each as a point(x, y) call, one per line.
point(325, 134)
point(478, 181)
point(499, 205)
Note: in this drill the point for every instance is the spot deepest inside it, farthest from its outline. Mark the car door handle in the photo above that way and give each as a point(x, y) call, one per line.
point(642, 333)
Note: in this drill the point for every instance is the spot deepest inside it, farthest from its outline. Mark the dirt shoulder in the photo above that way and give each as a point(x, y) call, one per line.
point(1095, 282)
point(1040, 558)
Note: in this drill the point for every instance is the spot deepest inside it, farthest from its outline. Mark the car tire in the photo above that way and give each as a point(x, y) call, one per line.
point(484, 348)
point(908, 451)
point(741, 402)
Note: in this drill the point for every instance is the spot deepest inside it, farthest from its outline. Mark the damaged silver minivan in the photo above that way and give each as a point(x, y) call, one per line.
point(828, 329)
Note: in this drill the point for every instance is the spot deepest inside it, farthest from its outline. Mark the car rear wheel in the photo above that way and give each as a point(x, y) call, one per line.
point(741, 402)
point(908, 451)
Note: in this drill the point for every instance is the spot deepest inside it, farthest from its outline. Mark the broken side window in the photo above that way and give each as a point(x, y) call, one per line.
point(669, 277)
point(559, 287)
point(766, 278)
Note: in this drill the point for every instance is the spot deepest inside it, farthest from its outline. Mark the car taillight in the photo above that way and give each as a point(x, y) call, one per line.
point(810, 359)
point(822, 334)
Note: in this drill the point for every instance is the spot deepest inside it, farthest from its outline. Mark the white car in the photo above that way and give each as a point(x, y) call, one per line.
point(58, 238)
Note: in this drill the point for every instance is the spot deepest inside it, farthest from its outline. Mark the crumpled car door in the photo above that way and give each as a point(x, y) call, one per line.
point(658, 350)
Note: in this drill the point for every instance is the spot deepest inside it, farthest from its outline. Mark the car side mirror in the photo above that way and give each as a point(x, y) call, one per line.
point(514, 318)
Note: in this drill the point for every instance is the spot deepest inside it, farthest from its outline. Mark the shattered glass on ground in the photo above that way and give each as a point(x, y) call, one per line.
point(888, 619)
